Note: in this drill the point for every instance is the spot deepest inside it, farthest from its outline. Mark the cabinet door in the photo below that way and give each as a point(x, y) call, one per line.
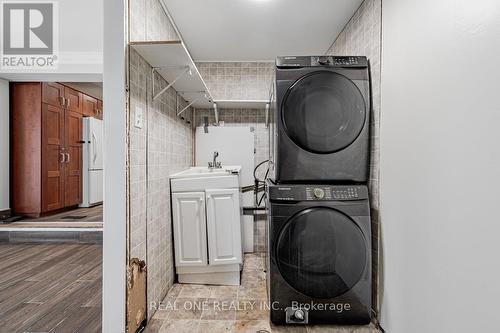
point(53, 158)
point(74, 164)
point(89, 105)
point(190, 235)
point(52, 93)
point(224, 226)
point(99, 110)
point(73, 100)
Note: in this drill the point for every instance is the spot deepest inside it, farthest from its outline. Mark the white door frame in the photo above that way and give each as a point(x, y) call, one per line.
point(115, 149)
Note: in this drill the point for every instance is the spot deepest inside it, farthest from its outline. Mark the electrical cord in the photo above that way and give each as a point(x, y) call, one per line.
point(257, 183)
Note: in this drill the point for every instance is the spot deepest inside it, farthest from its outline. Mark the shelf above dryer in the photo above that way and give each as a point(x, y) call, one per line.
point(241, 104)
point(172, 61)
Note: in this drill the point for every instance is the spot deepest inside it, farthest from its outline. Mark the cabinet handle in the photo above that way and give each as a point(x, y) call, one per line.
point(67, 102)
point(67, 155)
point(63, 157)
point(61, 101)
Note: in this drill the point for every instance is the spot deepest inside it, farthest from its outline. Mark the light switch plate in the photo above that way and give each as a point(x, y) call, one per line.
point(138, 121)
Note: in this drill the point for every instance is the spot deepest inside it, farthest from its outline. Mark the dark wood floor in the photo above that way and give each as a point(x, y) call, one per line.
point(50, 288)
point(92, 214)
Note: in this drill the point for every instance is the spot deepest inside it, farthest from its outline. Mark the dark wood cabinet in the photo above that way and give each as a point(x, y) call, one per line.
point(52, 158)
point(89, 106)
point(99, 109)
point(73, 171)
point(73, 100)
point(47, 150)
point(53, 94)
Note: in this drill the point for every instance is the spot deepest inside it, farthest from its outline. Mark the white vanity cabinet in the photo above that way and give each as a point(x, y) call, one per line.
point(190, 232)
point(224, 236)
point(207, 226)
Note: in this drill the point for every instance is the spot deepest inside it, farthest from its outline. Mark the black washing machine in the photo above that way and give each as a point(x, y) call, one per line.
point(322, 114)
point(319, 254)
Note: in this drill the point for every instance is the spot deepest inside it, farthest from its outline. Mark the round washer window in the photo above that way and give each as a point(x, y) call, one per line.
point(323, 112)
point(321, 252)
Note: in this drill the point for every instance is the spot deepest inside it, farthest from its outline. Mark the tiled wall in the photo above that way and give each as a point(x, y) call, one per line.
point(256, 119)
point(362, 36)
point(162, 146)
point(148, 22)
point(237, 80)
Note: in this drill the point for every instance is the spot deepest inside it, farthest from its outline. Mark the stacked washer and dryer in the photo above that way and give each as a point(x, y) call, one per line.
point(319, 229)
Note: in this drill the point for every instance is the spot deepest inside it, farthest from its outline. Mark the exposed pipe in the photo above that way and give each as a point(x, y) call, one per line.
point(216, 114)
point(267, 115)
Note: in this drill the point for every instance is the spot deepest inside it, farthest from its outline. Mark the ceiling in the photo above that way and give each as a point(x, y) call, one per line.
point(259, 30)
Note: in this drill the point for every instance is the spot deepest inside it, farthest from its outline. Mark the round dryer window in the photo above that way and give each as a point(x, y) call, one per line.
point(321, 252)
point(323, 112)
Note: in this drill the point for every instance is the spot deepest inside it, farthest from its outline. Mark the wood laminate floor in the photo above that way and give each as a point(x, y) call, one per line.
point(50, 288)
point(90, 218)
point(92, 214)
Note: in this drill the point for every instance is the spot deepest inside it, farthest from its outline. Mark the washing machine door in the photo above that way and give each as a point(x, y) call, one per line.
point(323, 112)
point(321, 252)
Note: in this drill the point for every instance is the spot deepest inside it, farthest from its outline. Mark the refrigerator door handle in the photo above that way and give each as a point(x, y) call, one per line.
point(93, 146)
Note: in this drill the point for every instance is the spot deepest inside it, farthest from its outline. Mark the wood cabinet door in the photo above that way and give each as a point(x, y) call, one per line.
point(53, 164)
point(100, 114)
point(224, 226)
point(53, 93)
point(74, 159)
point(190, 234)
point(73, 100)
point(89, 106)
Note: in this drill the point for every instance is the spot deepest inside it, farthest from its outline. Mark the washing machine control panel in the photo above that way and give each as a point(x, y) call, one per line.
point(321, 61)
point(318, 193)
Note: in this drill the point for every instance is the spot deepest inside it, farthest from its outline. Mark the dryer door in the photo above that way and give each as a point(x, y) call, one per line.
point(321, 252)
point(323, 112)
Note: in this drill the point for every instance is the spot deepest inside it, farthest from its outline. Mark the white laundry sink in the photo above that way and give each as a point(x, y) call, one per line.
point(201, 178)
point(206, 219)
point(206, 172)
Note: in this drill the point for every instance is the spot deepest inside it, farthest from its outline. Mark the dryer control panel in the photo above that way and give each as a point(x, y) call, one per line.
point(318, 192)
point(321, 61)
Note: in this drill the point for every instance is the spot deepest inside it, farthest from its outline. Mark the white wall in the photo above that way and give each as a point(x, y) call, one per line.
point(4, 145)
point(115, 148)
point(440, 164)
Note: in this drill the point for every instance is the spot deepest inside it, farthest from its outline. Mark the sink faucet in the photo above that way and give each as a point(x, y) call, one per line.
point(214, 164)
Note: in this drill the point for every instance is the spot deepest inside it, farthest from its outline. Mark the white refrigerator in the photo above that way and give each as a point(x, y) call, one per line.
point(92, 162)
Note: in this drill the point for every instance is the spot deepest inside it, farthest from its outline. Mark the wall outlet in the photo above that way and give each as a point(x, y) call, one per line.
point(139, 116)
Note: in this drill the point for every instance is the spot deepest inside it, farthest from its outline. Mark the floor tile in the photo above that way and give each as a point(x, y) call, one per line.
point(219, 309)
point(179, 326)
point(253, 277)
point(153, 326)
point(187, 308)
point(215, 326)
point(224, 292)
point(251, 326)
point(288, 328)
point(195, 291)
point(175, 290)
point(252, 310)
point(253, 262)
point(164, 308)
point(257, 292)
